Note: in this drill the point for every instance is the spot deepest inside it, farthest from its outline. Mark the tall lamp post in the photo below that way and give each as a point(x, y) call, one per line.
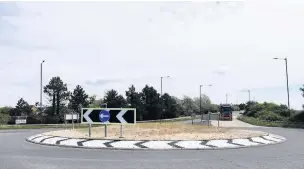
point(41, 83)
point(201, 96)
point(161, 84)
point(287, 83)
point(161, 91)
point(249, 95)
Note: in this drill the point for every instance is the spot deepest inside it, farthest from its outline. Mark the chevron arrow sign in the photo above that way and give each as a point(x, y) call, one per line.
point(108, 115)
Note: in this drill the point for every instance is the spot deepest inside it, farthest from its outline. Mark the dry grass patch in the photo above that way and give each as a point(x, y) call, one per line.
point(160, 131)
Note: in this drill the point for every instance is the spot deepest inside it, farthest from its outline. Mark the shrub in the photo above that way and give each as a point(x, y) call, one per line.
point(268, 116)
point(298, 117)
point(283, 112)
point(251, 110)
point(4, 118)
point(33, 119)
point(5, 110)
point(214, 108)
point(53, 119)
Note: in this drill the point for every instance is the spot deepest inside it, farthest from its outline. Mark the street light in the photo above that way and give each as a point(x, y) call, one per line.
point(41, 83)
point(161, 91)
point(287, 84)
point(161, 84)
point(248, 94)
point(201, 96)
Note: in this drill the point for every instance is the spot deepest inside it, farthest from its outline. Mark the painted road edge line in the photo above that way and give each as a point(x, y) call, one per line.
point(50, 140)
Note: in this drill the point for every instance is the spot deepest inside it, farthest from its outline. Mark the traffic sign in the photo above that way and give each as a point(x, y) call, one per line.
point(108, 115)
point(20, 121)
point(104, 116)
point(71, 116)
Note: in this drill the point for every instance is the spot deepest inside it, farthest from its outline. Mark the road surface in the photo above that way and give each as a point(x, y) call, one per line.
point(234, 123)
point(16, 153)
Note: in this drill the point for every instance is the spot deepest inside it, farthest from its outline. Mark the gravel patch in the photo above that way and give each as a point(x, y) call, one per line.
point(157, 131)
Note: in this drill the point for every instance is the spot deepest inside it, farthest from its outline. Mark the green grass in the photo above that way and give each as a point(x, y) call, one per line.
point(41, 126)
point(62, 126)
point(257, 122)
point(170, 120)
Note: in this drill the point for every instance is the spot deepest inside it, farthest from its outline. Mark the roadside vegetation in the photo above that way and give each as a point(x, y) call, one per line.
point(59, 100)
point(272, 115)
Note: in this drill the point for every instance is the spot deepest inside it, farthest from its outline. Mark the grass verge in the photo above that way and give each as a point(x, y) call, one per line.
point(62, 126)
point(41, 126)
point(257, 122)
point(170, 120)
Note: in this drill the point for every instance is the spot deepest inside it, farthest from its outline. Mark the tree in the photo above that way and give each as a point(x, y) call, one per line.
point(114, 100)
point(214, 108)
point(179, 106)
point(188, 105)
point(92, 99)
point(205, 103)
point(242, 106)
point(95, 103)
point(4, 114)
point(5, 110)
point(78, 97)
point(23, 108)
point(58, 93)
point(169, 106)
point(133, 100)
point(150, 99)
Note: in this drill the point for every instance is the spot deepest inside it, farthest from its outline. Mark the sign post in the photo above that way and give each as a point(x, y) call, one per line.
point(90, 126)
point(218, 121)
point(71, 116)
point(193, 116)
point(208, 119)
point(121, 131)
point(106, 130)
point(73, 120)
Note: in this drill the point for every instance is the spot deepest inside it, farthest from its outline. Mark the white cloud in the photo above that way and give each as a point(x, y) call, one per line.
point(194, 42)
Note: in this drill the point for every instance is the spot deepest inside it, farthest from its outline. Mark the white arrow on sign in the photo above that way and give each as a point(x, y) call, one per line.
point(86, 116)
point(119, 116)
point(103, 115)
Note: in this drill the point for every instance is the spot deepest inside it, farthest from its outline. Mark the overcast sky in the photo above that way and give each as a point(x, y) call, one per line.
point(113, 45)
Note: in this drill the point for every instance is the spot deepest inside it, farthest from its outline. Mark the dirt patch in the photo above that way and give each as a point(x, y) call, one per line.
point(157, 131)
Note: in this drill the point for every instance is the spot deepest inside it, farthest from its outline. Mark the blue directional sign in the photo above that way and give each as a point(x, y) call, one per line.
point(108, 115)
point(104, 116)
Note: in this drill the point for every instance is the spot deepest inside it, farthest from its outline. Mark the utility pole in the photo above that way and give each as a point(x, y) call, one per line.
point(200, 99)
point(287, 80)
point(161, 84)
point(41, 84)
point(249, 94)
point(161, 92)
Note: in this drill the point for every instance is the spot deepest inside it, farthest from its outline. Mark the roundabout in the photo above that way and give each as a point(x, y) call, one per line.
point(18, 153)
point(156, 144)
point(157, 136)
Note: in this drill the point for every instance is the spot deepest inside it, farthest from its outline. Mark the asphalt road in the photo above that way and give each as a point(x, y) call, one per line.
point(16, 153)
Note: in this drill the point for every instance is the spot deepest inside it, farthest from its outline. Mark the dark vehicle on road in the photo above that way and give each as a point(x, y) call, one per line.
point(225, 112)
